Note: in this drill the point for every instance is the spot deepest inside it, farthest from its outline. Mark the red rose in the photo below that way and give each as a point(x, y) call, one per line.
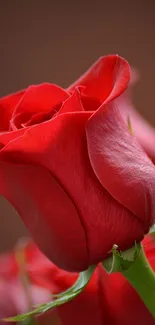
point(73, 171)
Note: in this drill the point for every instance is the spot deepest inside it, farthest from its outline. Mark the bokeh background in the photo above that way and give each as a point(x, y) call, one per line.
point(56, 41)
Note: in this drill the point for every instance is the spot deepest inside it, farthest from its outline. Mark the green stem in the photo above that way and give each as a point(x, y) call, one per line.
point(142, 278)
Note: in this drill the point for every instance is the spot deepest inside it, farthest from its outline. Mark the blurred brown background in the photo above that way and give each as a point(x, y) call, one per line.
point(57, 41)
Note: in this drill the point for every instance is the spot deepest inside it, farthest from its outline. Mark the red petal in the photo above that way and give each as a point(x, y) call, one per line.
point(106, 79)
point(41, 117)
point(41, 98)
point(60, 145)
point(6, 137)
point(144, 132)
point(47, 211)
point(120, 164)
point(7, 106)
point(73, 103)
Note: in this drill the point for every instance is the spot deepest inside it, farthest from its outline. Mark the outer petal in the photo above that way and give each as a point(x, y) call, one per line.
point(47, 211)
point(144, 132)
point(6, 137)
point(7, 106)
point(60, 145)
point(120, 164)
point(106, 79)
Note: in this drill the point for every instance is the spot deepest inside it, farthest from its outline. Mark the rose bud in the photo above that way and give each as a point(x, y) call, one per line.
point(70, 166)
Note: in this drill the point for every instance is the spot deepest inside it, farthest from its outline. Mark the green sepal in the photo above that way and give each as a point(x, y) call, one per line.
point(121, 260)
point(134, 266)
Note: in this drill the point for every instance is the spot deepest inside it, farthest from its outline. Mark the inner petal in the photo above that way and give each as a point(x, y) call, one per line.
point(37, 99)
point(42, 117)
